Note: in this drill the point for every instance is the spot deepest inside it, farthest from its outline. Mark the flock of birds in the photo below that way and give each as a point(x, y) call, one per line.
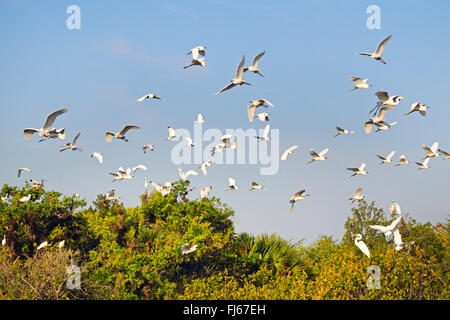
point(385, 103)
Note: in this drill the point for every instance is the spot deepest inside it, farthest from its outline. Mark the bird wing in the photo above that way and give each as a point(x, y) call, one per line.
point(127, 128)
point(395, 223)
point(191, 172)
point(51, 118)
point(108, 136)
point(171, 132)
point(427, 150)
point(313, 153)
point(425, 162)
point(414, 106)
point(380, 228)
point(267, 102)
point(141, 166)
point(434, 147)
point(28, 132)
point(382, 44)
point(390, 155)
point(357, 80)
point(76, 138)
point(143, 98)
point(266, 131)
point(256, 59)
point(240, 68)
point(382, 95)
point(285, 153)
point(368, 126)
point(251, 112)
point(156, 186)
point(397, 237)
point(358, 192)
point(203, 168)
point(362, 166)
point(382, 111)
point(298, 194)
point(231, 85)
point(231, 181)
point(194, 53)
point(323, 152)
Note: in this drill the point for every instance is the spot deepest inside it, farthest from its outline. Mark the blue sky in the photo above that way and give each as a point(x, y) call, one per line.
point(127, 49)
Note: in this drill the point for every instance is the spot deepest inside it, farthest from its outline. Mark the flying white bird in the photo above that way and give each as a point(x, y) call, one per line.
point(256, 104)
point(384, 127)
point(184, 175)
point(55, 133)
point(148, 146)
point(378, 54)
point(379, 118)
point(402, 160)
point(225, 142)
point(97, 155)
point(265, 134)
point(46, 129)
point(287, 152)
point(25, 198)
point(121, 134)
point(394, 208)
point(359, 83)
point(297, 197)
point(358, 171)
point(19, 172)
point(387, 230)
point(254, 67)
point(111, 196)
point(122, 174)
point(317, 157)
point(417, 106)
point(148, 96)
point(72, 145)
point(185, 249)
point(361, 245)
point(444, 153)
point(432, 151)
point(342, 131)
point(189, 141)
point(199, 50)
point(256, 186)
point(164, 189)
point(357, 196)
point(263, 116)
point(199, 119)
point(387, 159)
point(232, 185)
point(204, 165)
point(61, 244)
point(172, 134)
point(42, 245)
point(399, 244)
point(196, 61)
point(204, 192)
point(423, 165)
point(238, 80)
point(385, 100)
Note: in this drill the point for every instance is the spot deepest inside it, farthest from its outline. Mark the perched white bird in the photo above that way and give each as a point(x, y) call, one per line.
point(199, 50)
point(297, 197)
point(146, 184)
point(378, 54)
point(387, 159)
point(172, 134)
point(121, 134)
point(232, 184)
point(402, 160)
point(204, 165)
point(45, 131)
point(385, 100)
point(97, 155)
point(204, 192)
point(265, 134)
point(19, 172)
point(384, 127)
point(361, 245)
point(287, 152)
point(199, 119)
point(25, 198)
point(185, 249)
point(357, 196)
point(254, 67)
point(256, 186)
point(399, 244)
point(358, 171)
point(37, 184)
point(444, 153)
point(394, 208)
point(42, 245)
point(317, 156)
point(164, 189)
point(417, 106)
point(342, 131)
point(61, 244)
point(238, 80)
point(4, 240)
point(148, 96)
point(389, 229)
point(148, 146)
point(432, 151)
point(379, 118)
point(184, 175)
point(423, 165)
point(72, 145)
point(359, 83)
point(4, 199)
point(256, 104)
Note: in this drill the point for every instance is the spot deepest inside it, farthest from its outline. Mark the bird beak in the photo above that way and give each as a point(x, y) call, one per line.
point(403, 98)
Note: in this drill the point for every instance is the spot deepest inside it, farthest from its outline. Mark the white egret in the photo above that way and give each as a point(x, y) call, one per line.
point(238, 80)
point(265, 134)
point(361, 245)
point(389, 229)
point(432, 151)
point(25, 198)
point(4, 240)
point(199, 50)
point(317, 156)
point(148, 96)
point(378, 54)
point(164, 189)
point(297, 197)
point(287, 152)
point(172, 134)
point(379, 118)
point(399, 244)
point(61, 244)
point(42, 245)
point(189, 141)
point(204, 192)
point(232, 184)
point(402, 160)
point(387, 159)
point(55, 133)
point(203, 166)
point(360, 83)
point(394, 208)
point(424, 164)
point(417, 106)
point(141, 166)
point(97, 155)
point(46, 129)
point(385, 100)
point(184, 175)
point(196, 61)
point(357, 196)
point(342, 131)
point(263, 116)
point(72, 145)
point(149, 147)
point(20, 170)
point(185, 249)
point(256, 186)
point(121, 134)
point(37, 184)
point(385, 126)
point(358, 171)
point(256, 104)
point(254, 67)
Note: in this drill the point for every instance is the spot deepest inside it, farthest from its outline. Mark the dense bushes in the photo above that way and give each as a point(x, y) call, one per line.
point(134, 253)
